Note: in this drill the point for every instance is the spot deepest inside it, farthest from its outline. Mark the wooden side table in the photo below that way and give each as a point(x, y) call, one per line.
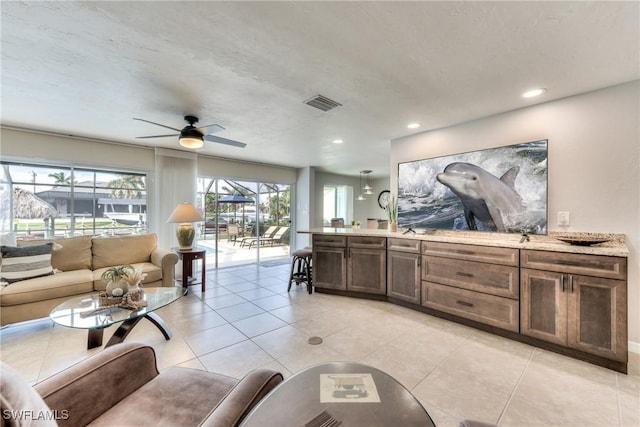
point(187, 258)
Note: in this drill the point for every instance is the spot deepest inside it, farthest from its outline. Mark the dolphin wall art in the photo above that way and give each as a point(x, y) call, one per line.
point(492, 200)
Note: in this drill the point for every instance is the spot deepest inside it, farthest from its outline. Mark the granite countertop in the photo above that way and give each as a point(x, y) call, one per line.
point(614, 246)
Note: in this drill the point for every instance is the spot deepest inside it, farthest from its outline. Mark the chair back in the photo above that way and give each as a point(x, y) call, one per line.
point(337, 222)
point(278, 234)
point(269, 232)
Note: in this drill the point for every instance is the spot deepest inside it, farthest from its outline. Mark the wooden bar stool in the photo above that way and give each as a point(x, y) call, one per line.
point(301, 269)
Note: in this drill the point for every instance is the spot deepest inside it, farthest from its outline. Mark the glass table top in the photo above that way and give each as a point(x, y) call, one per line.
point(69, 313)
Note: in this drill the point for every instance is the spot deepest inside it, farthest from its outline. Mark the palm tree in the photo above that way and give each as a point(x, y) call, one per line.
point(280, 205)
point(61, 178)
point(127, 187)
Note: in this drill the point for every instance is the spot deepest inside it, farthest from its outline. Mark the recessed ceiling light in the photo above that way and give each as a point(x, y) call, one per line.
point(337, 141)
point(533, 92)
point(413, 125)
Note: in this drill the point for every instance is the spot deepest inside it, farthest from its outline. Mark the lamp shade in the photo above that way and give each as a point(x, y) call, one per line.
point(185, 212)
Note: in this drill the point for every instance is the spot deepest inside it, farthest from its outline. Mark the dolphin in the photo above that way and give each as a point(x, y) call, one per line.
point(485, 197)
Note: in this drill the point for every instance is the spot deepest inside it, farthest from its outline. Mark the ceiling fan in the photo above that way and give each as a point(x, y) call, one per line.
point(193, 137)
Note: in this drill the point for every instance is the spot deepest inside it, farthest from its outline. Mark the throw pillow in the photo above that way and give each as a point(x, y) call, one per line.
point(21, 263)
point(8, 239)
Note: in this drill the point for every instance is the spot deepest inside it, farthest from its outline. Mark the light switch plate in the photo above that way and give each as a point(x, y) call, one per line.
point(563, 219)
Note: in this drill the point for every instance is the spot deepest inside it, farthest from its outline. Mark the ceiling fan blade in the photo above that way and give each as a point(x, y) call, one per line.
point(157, 124)
point(219, 140)
point(205, 130)
point(156, 136)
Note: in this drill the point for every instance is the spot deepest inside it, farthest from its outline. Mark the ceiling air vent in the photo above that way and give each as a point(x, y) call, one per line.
point(322, 103)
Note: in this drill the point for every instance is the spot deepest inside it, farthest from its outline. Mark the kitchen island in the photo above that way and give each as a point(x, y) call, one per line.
point(536, 289)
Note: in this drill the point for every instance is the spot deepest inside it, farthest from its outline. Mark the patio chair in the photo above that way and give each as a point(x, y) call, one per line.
point(277, 237)
point(269, 232)
point(233, 231)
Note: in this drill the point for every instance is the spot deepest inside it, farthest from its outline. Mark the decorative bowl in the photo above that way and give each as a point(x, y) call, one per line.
point(582, 240)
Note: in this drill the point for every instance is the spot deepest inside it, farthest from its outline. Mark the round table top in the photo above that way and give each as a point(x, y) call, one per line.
point(339, 392)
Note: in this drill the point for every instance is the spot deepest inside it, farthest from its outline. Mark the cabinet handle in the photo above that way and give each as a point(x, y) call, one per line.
point(460, 273)
point(464, 303)
point(571, 283)
point(419, 261)
point(562, 281)
point(463, 252)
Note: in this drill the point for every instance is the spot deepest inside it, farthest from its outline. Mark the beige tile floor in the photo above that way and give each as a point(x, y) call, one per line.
point(246, 319)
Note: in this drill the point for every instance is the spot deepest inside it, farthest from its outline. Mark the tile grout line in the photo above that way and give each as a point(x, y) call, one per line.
point(515, 387)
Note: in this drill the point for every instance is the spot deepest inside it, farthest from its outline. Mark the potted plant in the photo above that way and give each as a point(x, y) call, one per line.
point(113, 278)
point(355, 224)
point(392, 213)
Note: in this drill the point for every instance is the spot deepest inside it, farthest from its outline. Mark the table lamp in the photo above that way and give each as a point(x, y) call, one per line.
point(185, 214)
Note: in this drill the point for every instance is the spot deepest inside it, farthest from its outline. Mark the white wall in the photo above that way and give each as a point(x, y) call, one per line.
point(594, 162)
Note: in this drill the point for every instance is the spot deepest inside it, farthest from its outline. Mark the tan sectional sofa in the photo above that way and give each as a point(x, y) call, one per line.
point(80, 261)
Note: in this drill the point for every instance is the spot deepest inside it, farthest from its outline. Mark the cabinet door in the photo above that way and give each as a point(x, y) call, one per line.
point(597, 316)
point(403, 276)
point(543, 305)
point(367, 271)
point(329, 268)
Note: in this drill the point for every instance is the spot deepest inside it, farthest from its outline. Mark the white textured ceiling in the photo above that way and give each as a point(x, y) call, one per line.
point(88, 68)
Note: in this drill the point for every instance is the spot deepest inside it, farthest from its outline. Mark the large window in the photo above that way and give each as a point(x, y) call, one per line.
point(40, 201)
point(337, 203)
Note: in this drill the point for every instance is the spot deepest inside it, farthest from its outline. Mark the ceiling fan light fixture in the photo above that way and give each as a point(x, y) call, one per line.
point(191, 142)
point(191, 138)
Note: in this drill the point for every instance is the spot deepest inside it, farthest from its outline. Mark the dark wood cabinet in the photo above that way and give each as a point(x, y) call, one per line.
point(586, 313)
point(571, 303)
point(367, 265)
point(356, 264)
point(403, 269)
point(329, 262)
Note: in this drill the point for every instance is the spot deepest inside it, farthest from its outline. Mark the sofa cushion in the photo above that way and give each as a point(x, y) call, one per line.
point(65, 284)
point(8, 239)
point(18, 397)
point(111, 251)
point(192, 395)
point(20, 263)
point(74, 254)
point(154, 274)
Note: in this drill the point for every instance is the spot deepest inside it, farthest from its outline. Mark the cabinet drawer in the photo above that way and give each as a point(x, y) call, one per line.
point(490, 254)
point(488, 309)
point(587, 265)
point(403, 245)
point(367, 242)
point(493, 279)
point(329, 240)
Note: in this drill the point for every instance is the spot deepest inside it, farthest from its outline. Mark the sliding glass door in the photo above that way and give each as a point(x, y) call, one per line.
point(245, 222)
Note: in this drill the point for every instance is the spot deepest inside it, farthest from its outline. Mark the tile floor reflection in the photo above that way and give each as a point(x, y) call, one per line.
point(246, 319)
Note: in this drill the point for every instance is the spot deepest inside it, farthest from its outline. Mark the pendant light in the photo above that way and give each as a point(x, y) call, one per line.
point(361, 197)
point(367, 187)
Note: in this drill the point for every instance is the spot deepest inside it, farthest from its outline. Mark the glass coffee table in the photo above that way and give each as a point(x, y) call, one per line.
point(73, 314)
point(339, 393)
